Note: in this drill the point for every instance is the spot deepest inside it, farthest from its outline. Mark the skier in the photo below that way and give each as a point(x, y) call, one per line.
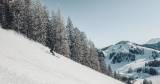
point(51, 50)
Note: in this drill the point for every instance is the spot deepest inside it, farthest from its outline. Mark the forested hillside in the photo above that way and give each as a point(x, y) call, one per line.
point(33, 20)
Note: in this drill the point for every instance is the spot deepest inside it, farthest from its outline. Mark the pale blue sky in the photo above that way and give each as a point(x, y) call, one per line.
point(109, 21)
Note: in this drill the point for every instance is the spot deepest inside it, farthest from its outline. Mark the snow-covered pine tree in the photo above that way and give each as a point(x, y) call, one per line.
point(76, 46)
point(50, 31)
point(58, 37)
point(21, 13)
point(27, 17)
point(18, 12)
point(101, 58)
point(93, 56)
point(31, 19)
point(70, 35)
point(5, 14)
point(109, 70)
point(82, 50)
point(77, 43)
point(40, 23)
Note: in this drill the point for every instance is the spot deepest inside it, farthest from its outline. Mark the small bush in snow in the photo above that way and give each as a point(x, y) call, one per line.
point(130, 70)
point(150, 71)
point(154, 63)
point(147, 82)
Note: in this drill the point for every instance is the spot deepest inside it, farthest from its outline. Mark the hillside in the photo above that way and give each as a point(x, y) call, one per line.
point(27, 62)
point(132, 60)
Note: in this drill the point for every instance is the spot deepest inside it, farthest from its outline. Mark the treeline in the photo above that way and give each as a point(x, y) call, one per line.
point(32, 19)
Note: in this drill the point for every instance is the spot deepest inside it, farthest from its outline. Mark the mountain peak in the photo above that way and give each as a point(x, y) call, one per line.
point(123, 42)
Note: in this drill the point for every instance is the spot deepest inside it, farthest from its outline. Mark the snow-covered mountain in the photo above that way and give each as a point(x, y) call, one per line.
point(153, 41)
point(133, 60)
point(26, 62)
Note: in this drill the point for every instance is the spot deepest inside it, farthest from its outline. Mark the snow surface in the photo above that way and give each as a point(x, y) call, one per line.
point(26, 62)
point(153, 41)
point(154, 79)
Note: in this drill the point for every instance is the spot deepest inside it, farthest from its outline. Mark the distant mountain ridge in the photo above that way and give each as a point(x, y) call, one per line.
point(153, 41)
point(153, 46)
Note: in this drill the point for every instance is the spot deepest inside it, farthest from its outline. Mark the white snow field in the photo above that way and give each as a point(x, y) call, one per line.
point(26, 62)
point(155, 79)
